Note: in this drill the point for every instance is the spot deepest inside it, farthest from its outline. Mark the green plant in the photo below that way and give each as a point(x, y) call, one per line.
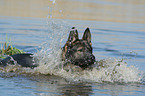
point(8, 49)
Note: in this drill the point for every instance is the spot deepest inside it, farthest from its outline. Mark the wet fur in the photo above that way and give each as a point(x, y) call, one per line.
point(75, 52)
point(78, 51)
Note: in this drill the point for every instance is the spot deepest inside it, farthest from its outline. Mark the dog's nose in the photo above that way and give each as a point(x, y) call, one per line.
point(85, 61)
point(90, 60)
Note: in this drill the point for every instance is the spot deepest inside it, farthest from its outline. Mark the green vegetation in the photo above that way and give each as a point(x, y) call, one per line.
point(7, 49)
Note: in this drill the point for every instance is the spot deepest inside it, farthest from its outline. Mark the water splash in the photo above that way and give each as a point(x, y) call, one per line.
point(50, 53)
point(109, 70)
point(114, 71)
point(50, 10)
point(53, 1)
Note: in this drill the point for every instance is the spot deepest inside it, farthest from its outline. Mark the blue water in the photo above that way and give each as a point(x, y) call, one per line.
point(109, 41)
point(117, 38)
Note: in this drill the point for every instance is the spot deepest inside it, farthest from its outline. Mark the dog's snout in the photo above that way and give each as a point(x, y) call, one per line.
point(84, 60)
point(90, 59)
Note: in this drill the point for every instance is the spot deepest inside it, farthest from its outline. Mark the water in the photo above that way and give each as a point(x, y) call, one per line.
point(118, 43)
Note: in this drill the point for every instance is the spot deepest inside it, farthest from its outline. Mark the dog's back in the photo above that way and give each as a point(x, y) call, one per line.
point(76, 51)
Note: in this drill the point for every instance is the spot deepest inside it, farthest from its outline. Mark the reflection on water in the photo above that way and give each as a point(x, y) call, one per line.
point(45, 85)
point(131, 11)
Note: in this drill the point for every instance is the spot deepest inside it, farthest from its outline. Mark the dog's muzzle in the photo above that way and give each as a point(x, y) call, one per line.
point(84, 61)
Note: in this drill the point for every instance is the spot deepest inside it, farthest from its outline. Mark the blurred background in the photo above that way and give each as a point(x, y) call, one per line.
point(130, 11)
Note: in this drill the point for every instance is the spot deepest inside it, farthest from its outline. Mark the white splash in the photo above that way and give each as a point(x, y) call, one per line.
point(113, 70)
point(110, 70)
point(53, 1)
point(50, 52)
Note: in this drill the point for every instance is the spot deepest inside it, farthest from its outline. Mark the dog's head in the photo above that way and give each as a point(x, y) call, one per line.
point(79, 51)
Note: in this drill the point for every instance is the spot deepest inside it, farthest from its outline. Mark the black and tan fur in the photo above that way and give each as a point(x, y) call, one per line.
point(76, 51)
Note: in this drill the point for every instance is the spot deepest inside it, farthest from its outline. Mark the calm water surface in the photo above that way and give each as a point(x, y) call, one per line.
point(120, 40)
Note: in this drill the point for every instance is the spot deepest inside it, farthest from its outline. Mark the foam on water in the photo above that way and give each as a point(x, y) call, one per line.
point(110, 70)
point(113, 70)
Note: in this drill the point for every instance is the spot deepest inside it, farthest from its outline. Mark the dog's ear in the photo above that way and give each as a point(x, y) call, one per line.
point(87, 36)
point(73, 35)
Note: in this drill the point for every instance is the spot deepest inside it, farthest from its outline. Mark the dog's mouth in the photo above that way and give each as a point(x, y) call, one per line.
point(84, 62)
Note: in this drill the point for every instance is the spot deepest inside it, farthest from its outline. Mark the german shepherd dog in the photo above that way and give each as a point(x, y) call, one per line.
point(76, 51)
point(79, 51)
